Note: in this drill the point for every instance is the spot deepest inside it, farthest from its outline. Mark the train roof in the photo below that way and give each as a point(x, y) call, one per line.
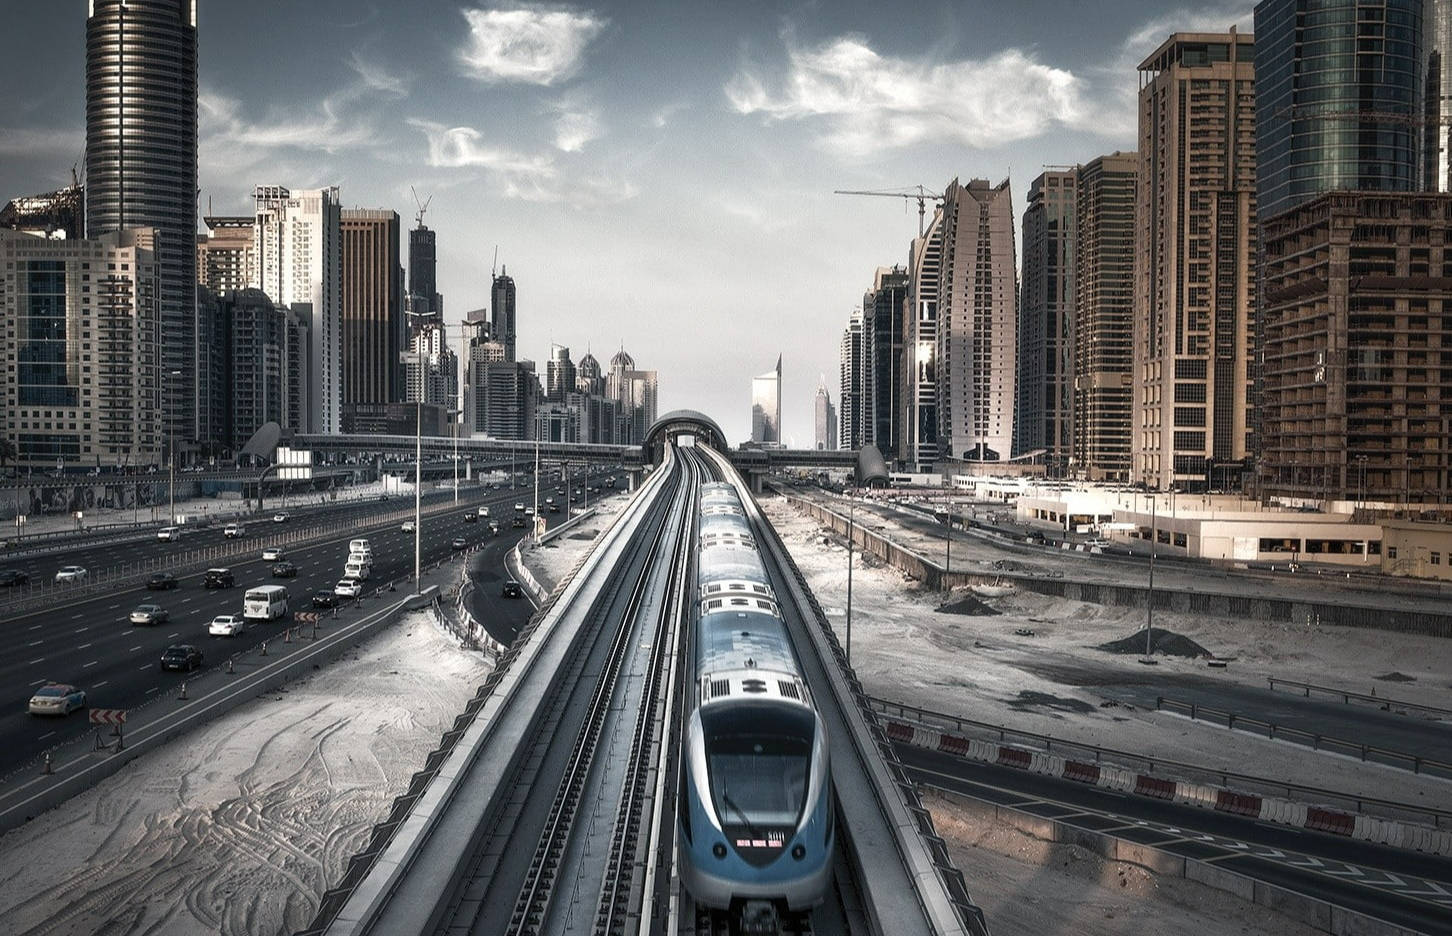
point(736, 639)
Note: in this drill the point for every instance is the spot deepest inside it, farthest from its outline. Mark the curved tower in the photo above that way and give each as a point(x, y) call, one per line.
point(141, 163)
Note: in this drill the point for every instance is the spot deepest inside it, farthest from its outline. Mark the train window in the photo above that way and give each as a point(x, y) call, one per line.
point(758, 757)
point(714, 603)
point(736, 602)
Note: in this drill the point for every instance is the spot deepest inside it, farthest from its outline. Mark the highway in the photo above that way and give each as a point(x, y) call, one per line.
point(1401, 886)
point(91, 644)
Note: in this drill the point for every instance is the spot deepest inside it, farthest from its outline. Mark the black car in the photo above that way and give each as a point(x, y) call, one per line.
point(519, 522)
point(161, 581)
point(13, 577)
point(512, 590)
point(284, 570)
point(183, 657)
point(554, 508)
point(471, 518)
point(218, 578)
point(460, 543)
point(324, 598)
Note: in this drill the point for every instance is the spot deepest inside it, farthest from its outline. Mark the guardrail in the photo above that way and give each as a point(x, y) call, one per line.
point(1316, 741)
point(568, 524)
point(1347, 696)
point(1388, 808)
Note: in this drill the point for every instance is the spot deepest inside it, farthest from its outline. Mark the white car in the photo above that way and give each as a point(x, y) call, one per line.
point(227, 625)
point(232, 530)
point(71, 574)
point(272, 554)
point(279, 518)
point(408, 526)
point(348, 588)
point(519, 508)
point(56, 699)
point(169, 534)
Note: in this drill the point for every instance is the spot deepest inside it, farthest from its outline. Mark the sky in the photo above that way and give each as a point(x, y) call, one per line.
point(657, 175)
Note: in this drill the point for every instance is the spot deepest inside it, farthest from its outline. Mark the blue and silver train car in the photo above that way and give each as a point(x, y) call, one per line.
point(755, 806)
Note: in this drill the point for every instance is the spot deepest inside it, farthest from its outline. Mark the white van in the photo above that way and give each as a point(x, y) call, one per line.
point(359, 545)
point(169, 534)
point(483, 511)
point(357, 568)
point(265, 603)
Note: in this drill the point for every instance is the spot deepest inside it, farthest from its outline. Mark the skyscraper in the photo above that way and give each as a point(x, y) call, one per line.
point(299, 265)
point(141, 164)
point(977, 323)
point(587, 376)
point(1104, 316)
point(227, 253)
point(849, 384)
point(826, 418)
point(1046, 320)
point(882, 357)
point(1194, 262)
point(1437, 96)
point(372, 307)
point(559, 374)
point(423, 272)
point(1338, 87)
point(919, 411)
point(502, 323)
point(766, 406)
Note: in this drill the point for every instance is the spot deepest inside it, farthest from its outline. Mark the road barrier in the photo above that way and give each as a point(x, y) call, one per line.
point(1347, 697)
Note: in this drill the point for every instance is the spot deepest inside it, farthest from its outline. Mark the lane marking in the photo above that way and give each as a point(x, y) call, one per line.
point(36, 643)
point(85, 646)
point(33, 662)
point(82, 630)
point(46, 735)
point(134, 649)
point(100, 684)
point(144, 669)
point(90, 664)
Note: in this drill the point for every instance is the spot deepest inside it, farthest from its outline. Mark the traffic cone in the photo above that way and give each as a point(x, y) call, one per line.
point(183, 695)
point(264, 648)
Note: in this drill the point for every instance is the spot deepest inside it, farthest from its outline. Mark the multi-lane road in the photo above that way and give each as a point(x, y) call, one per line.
point(89, 642)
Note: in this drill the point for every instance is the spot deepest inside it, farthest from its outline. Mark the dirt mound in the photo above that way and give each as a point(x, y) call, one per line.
point(1030, 699)
point(1395, 677)
point(1161, 641)
point(968, 604)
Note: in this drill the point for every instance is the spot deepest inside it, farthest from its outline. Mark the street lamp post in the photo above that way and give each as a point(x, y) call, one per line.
point(851, 524)
point(1149, 626)
point(417, 492)
point(170, 442)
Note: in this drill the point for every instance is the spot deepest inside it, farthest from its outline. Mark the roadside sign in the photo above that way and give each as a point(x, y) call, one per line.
point(108, 716)
point(305, 617)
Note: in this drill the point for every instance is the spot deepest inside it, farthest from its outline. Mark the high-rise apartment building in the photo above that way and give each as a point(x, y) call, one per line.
point(825, 422)
point(227, 253)
point(1357, 394)
point(977, 323)
point(849, 385)
point(1437, 95)
point(81, 320)
point(1045, 416)
point(1338, 86)
point(432, 370)
point(882, 357)
point(766, 406)
point(502, 321)
point(141, 165)
point(372, 307)
point(265, 363)
point(1104, 316)
point(635, 393)
point(60, 214)
point(919, 411)
point(559, 374)
point(1195, 262)
point(299, 265)
point(588, 379)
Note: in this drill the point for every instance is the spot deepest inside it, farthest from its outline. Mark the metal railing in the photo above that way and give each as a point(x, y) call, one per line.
point(1369, 753)
point(1151, 764)
point(1348, 697)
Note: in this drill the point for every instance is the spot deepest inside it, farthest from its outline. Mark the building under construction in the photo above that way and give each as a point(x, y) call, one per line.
point(58, 215)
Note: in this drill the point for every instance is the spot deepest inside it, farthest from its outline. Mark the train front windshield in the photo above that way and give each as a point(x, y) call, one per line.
point(758, 757)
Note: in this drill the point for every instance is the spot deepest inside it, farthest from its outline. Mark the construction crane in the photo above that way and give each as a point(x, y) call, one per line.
point(423, 206)
point(922, 196)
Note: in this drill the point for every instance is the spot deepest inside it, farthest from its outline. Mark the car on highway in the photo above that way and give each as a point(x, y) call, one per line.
point(512, 590)
point(529, 511)
point(184, 657)
point(519, 522)
point(149, 614)
point(483, 511)
point(284, 570)
point(272, 554)
point(11, 578)
point(233, 530)
point(56, 699)
point(279, 518)
point(161, 581)
point(554, 508)
point(493, 526)
point(227, 625)
point(325, 598)
point(348, 588)
point(519, 508)
point(71, 574)
point(169, 534)
point(460, 542)
point(407, 526)
point(471, 518)
point(218, 578)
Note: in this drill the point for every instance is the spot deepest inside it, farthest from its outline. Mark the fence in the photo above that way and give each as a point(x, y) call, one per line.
point(1347, 697)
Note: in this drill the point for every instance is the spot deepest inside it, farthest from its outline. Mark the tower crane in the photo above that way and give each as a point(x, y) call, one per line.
point(922, 195)
point(423, 206)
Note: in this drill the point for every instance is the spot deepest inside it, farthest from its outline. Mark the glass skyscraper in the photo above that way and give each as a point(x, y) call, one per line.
point(1338, 86)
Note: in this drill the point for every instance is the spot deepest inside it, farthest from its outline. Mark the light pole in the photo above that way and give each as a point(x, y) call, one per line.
point(948, 540)
point(1149, 626)
point(1361, 483)
point(454, 429)
point(536, 485)
point(851, 524)
point(170, 442)
point(417, 491)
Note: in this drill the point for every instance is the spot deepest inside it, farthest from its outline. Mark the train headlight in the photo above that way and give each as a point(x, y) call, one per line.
point(719, 850)
point(799, 851)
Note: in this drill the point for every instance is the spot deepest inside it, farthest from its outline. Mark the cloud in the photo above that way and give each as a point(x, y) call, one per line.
point(576, 123)
point(1150, 34)
point(527, 45)
point(377, 78)
point(528, 177)
point(22, 143)
point(870, 102)
point(230, 138)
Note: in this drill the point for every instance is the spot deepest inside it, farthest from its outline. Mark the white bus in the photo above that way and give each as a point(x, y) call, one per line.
point(265, 603)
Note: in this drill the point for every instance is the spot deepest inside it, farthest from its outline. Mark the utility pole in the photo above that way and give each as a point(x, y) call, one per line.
point(417, 491)
point(171, 446)
point(851, 525)
point(1149, 626)
point(536, 484)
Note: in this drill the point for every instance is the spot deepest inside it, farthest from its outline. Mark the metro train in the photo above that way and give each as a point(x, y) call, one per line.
point(756, 817)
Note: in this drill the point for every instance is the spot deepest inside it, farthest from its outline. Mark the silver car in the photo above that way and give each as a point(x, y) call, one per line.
point(149, 614)
point(56, 699)
point(71, 574)
point(227, 625)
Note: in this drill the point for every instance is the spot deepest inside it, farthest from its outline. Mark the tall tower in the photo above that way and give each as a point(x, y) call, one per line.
point(977, 323)
point(141, 165)
point(1046, 320)
point(423, 272)
point(882, 357)
point(1194, 264)
point(559, 374)
point(1104, 316)
point(766, 406)
point(1338, 86)
point(1437, 96)
point(919, 410)
point(502, 324)
point(849, 384)
point(372, 302)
